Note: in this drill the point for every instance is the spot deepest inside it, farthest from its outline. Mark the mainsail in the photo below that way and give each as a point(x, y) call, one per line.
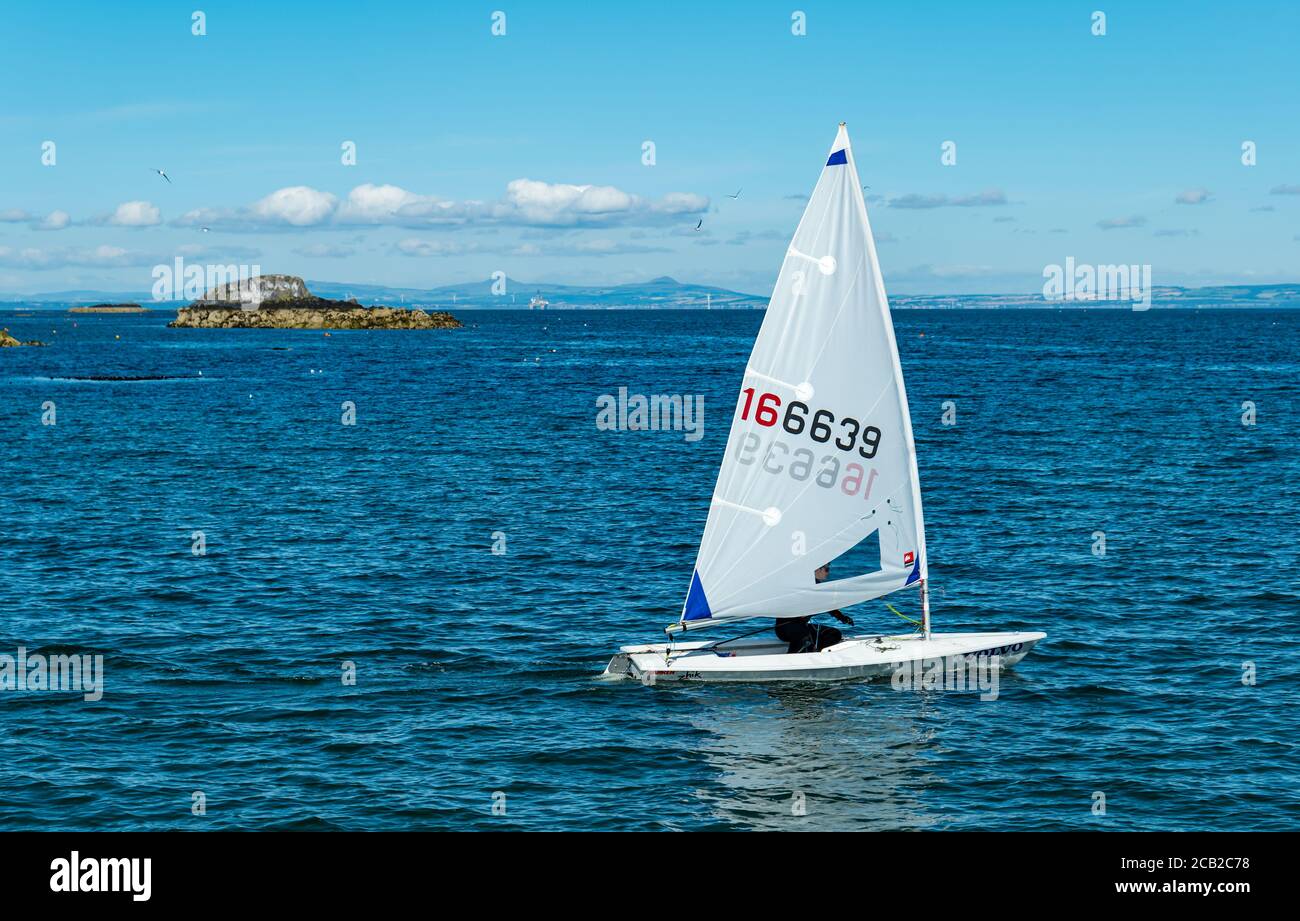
point(820, 455)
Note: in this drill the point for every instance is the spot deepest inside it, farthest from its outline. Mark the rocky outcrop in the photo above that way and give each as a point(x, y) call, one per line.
point(8, 342)
point(261, 289)
point(283, 302)
point(109, 308)
point(318, 314)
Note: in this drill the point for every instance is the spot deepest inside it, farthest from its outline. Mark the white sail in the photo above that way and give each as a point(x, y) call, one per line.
point(820, 454)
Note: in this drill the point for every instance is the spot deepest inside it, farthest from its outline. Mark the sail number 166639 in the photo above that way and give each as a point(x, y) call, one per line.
point(821, 424)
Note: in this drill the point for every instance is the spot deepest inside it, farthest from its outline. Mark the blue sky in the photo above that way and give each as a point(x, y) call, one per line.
point(1068, 144)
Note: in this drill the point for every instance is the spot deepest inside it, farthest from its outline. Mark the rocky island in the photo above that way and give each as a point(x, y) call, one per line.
point(283, 302)
point(109, 308)
point(8, 342)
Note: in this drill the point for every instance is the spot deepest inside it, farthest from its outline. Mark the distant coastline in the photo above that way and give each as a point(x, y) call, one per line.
point(109, 308)
point(668, 293)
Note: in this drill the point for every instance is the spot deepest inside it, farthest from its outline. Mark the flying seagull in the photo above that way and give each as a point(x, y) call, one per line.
point(163, 174)
point(738, 191)
point(700, 224)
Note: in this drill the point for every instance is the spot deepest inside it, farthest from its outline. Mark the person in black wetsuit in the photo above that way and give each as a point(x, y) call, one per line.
point(803, 636)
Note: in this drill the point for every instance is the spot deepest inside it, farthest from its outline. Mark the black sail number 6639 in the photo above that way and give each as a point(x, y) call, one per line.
point(819, 427)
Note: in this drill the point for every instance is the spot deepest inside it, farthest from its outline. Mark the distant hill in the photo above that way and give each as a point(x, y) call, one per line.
point(665, 293)
point(1162, 297)
point(662, 292)
point(81, 296)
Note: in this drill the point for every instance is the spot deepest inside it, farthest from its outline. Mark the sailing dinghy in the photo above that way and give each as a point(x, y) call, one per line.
point(819, 459)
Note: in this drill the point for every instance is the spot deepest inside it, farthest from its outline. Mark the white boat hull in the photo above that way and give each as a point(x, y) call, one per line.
point(857, 657)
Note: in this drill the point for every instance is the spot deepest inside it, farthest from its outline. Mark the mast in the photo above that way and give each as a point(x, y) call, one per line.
point(925, 607)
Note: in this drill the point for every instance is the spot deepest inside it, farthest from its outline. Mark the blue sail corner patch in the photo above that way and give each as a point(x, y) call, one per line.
point(697, 606)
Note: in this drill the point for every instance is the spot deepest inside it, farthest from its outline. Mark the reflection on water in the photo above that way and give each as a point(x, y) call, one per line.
point(853, 751)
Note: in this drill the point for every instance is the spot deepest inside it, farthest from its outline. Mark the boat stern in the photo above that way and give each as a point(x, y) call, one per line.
point(642, 663)
point(618, 667)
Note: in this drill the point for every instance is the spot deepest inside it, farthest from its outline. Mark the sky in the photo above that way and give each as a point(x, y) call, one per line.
point(525, 152)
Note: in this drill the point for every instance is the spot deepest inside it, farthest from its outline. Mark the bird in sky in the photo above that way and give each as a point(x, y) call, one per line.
point(738, 191)
point(700, 224)
point(205, 229)
point(163, 174)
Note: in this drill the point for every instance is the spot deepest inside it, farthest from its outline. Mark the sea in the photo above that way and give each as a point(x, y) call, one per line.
point(369, 580)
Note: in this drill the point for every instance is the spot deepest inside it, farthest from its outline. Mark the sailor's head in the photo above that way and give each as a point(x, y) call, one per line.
point(823, 572)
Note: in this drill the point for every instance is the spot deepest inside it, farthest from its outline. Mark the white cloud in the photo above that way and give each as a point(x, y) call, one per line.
point(596, 247)
point(987, 198)
point(379, 204)
point(55, 220)
point(566, 246)
point(208, 217)
point(548, 203)
point(325, 251)
point(295, 206)
point(745, 237)
point(681, 203)
point(526, 203)
point(105, 256)
point(98, 256)
point(299, 205)
point(1115, 223)
point(1192, 197)
point(415, 247)
point(134, 214)
point(223, 253)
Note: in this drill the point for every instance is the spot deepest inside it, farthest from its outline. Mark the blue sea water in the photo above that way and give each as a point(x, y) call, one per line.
point(475, 672)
